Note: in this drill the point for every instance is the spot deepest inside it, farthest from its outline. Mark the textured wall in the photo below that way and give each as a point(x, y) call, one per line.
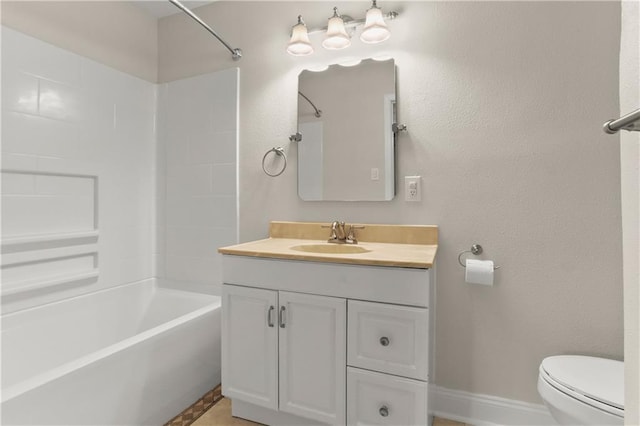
point(504, 103)
point(630, 164)
point(114, 33)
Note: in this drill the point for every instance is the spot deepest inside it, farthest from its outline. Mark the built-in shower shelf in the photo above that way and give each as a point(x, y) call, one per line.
point(44, 255)
point(26, 286)
point(47, 238)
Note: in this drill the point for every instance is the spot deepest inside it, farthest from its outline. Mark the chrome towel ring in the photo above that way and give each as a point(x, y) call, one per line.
point(280, 153)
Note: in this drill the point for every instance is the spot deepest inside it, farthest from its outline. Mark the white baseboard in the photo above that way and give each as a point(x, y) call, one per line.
point(486, 410)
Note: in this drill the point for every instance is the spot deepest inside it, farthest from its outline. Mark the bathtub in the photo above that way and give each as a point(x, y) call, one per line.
point(136, 354)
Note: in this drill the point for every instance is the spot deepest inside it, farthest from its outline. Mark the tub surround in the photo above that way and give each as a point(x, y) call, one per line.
point(405, 246)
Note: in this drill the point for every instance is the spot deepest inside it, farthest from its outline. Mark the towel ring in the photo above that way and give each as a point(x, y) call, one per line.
point(279, 152)
point(476, 249)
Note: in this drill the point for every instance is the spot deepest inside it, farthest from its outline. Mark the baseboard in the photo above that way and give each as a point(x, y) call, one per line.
point(487, 410)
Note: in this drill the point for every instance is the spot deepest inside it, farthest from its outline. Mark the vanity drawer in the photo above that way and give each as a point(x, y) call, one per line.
point(381, 399)
point(388, 338)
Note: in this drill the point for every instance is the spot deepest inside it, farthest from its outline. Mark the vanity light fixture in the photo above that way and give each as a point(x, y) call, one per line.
point(336, 37)
point(375, 29)
point(339, 30)
point(299, 45)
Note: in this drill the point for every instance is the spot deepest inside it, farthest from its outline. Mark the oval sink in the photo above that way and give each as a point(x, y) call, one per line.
point(330, 248)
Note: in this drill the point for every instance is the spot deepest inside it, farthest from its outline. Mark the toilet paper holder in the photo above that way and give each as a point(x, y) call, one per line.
point(476, 249)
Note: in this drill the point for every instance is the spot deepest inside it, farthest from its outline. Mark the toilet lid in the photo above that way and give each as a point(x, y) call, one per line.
point(596, 378)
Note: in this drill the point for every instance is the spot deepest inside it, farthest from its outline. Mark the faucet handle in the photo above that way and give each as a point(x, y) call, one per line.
point(333, 237)
point(351, 237)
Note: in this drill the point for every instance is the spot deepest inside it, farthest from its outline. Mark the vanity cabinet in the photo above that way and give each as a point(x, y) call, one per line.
point(285, 351)
point(322, 343)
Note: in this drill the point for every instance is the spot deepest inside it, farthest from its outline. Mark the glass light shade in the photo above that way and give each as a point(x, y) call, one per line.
point(299, 45)
point(336, 37)
point(375, 29)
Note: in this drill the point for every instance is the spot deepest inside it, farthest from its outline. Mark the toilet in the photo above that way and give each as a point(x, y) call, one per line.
point(583, 390)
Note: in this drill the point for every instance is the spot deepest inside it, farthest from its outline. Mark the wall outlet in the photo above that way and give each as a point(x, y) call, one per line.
point(375, 173)
point(412, 188)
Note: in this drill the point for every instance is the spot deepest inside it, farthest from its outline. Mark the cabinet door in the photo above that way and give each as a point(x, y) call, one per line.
point(250, 345)
point(313, 357)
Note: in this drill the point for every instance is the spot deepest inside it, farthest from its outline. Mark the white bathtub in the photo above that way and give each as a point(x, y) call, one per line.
point(136, 354)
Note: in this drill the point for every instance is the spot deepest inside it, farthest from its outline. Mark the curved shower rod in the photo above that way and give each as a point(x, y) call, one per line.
point(235, 52)
point(318, 113)
point(630, 122)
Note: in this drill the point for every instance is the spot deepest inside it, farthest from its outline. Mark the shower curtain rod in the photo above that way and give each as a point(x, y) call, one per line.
point(235, 52)
point(627, 122)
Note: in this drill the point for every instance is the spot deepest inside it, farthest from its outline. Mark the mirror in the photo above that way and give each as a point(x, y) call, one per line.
point(345, 120)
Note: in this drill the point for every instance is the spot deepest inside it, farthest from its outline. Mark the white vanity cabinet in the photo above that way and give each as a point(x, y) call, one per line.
point(285, 351)
point(326, 343)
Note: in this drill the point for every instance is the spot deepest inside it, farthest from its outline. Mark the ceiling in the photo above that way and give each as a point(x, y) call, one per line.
point(162, 8)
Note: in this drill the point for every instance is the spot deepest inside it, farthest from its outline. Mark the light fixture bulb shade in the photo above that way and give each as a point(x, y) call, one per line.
point(299, 45)
point(375, 29)
point(336, 37)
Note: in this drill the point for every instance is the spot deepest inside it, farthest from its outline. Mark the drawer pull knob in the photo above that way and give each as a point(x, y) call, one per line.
point(384, 341)
point(384, 411)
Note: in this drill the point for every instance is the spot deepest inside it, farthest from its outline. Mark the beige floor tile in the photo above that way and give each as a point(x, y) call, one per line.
point(444, 422)
point(220, 415)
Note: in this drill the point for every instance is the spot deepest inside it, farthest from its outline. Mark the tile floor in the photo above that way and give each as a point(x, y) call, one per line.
point(220, 415)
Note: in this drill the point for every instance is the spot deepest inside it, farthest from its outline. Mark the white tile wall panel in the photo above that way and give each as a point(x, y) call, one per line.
point(200, 144)
point(19, 92)
point(52, 205)
point(33, 134)
point(164, 158)
point(212, 148)
point(17, 161)
point(196, 242)
point(59, 101)
point(88, 119)
point(202, 212)
point(224, 180)
point(193, 269)
point(18, 184)
point(190, 181)
point(31, 55)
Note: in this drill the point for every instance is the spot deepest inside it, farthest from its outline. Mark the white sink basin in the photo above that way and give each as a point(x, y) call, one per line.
point(330, 248)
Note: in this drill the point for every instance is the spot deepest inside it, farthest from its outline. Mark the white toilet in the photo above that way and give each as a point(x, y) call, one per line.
point(583, 390)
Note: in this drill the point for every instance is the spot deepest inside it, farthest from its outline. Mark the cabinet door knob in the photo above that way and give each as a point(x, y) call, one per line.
point(384, 411)
point(384, 341)
point(282, 317)
point(270, 316)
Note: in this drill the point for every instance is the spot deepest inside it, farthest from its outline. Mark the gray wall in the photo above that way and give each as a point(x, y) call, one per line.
point(504, 103)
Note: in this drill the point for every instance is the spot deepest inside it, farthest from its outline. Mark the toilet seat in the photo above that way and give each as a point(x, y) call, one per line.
point(596, 382)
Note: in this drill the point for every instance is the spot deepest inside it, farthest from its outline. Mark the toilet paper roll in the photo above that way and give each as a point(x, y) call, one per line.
point(479, 272)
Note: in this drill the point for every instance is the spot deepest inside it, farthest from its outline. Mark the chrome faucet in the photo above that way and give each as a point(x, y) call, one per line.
point(339, 235)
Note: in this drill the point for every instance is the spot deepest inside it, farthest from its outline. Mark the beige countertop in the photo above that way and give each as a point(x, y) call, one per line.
point(406, 246)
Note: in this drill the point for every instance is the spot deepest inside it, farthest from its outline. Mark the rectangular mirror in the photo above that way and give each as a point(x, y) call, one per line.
point(345, 119)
